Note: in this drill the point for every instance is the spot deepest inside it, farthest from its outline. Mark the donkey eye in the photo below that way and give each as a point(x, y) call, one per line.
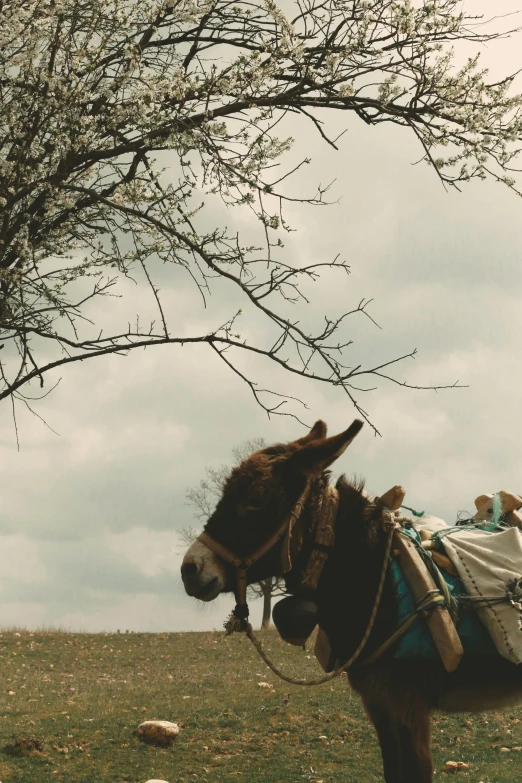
point(254, 499)
point(257, 506)
point(254, 504)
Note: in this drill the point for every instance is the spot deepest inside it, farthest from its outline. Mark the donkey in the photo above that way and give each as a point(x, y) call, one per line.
point(398, 694)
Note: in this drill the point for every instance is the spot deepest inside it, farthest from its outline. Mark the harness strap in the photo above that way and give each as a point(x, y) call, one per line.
point(323, 536)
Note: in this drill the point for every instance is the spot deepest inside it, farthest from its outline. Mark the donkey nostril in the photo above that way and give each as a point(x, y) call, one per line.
point(189, 569)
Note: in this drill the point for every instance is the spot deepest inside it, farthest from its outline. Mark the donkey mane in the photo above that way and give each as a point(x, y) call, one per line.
point(352, 572)
point(356, 509)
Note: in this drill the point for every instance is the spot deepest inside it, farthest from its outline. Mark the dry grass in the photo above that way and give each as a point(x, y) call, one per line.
point(82, 696)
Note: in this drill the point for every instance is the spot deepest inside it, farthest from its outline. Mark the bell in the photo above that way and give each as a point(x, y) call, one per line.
point(295, 618)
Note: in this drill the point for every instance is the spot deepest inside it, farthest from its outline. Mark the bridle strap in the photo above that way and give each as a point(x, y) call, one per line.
point(243, 564)
point(219, 549)
point(246, 562)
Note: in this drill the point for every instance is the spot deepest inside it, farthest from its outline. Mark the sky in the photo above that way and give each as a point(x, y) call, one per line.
point(90, 517)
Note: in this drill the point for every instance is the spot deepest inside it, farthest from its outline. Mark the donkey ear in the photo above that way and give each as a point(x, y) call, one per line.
point(318, 454)
point(317, 431)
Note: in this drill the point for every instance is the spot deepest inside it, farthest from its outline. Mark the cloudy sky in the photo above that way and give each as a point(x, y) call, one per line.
point(89, 517)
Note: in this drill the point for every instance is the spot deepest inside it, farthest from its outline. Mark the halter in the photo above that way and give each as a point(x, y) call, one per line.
point(242, 564)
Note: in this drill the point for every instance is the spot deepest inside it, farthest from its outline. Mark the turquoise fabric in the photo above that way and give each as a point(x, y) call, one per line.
point(416, 642)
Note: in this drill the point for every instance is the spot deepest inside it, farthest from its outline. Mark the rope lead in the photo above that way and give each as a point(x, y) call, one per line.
point(235, 625)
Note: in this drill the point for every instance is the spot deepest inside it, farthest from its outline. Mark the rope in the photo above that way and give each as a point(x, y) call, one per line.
point(484, 599)
point(337, 672)
point(415, 513)
point(431, 600)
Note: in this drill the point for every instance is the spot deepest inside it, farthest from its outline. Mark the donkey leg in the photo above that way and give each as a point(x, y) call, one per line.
point(413, 731)
point(388, 741)
point(403, 729)
point(398, 704)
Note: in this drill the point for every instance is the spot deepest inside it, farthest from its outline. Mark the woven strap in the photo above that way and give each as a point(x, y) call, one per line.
point(324, 537)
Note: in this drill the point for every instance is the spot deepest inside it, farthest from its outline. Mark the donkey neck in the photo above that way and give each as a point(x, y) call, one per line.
point(348, 586)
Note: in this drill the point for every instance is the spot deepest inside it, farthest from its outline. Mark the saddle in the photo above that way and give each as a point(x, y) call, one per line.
point(477, 564)
point(477, 567)
point(484, 555)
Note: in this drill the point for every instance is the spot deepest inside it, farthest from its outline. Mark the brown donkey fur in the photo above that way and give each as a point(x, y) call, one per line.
point(398, 695)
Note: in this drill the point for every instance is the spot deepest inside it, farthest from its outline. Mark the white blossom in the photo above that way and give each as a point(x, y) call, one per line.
point(94, 94)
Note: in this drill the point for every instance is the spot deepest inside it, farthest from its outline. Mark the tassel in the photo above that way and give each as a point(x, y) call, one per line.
point(238, 620)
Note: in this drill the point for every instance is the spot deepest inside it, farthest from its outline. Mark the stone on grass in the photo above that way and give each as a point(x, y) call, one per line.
point(158, 732)
point(148, 781)
point(455, 766)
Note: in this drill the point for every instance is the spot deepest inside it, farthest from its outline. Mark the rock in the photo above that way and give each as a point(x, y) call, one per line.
point(150, 781)
point(158, 732)
point(455, 766)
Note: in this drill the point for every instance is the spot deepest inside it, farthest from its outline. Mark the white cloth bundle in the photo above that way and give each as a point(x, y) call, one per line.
point(490, 566)
point(430, 523)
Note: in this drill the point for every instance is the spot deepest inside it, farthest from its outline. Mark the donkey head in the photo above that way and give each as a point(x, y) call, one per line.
point(257, 497)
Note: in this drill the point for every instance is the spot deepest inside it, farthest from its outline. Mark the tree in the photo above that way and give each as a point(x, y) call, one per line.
point(95, 94)
point(203, 498)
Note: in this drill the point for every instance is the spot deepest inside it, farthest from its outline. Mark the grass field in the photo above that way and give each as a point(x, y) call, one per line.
point(82, 696)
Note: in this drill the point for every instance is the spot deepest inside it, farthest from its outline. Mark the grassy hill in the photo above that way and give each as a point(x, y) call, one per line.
point(80, 697)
